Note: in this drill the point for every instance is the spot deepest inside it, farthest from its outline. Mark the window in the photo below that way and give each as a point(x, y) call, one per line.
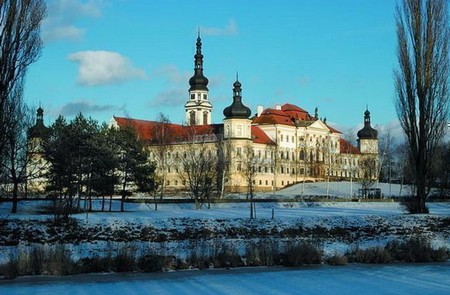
point(239, 167)
point(238, 151)
point(265, 169)
point(205, 118)
point(192, 96)
point(176, 182)
point(239, 130)
point(260, 182)
point(192, 118)
point(267, 182)
point(204, 97)
point(293, 138)
point(281, 137)
point(302, 155)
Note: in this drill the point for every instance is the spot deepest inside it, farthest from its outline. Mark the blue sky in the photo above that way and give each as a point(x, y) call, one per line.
point(134, 57)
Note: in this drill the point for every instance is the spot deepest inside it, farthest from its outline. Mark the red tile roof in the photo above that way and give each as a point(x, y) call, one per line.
point(347, 148)
point(259, 136)
point(147, 130)
point(295, 112)
point(333, 129)
point(272, 116)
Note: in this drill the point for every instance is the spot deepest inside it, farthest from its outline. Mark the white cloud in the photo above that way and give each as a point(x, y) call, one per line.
point(229, 30)
point(172, 74)
point(86, 107)
point(63, 15)
point(171, 97)
point(104, 67)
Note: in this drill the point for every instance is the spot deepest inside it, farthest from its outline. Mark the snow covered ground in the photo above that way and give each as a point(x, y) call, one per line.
point(353, 279)
point(360, 223)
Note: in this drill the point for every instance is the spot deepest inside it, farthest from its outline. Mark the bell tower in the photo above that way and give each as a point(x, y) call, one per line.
point(367, 137)
point(237, 124)
point(198, 107)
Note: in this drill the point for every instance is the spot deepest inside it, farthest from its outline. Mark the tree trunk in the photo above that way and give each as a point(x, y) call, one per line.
point(15, 197)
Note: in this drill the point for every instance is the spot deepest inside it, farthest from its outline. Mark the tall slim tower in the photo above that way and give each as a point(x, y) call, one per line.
point(198, 107)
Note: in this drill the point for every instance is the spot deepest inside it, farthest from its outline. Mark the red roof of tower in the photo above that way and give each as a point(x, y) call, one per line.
point(347, 148)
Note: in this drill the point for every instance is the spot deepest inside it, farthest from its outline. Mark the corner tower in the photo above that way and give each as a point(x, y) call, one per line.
point(198, 107)
point(237, 124)
point(367, 137)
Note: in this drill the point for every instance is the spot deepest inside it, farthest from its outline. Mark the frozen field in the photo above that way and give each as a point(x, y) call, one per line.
point(354, 279)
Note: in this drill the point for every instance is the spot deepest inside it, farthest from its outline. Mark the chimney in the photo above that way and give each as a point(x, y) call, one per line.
point(259, 110)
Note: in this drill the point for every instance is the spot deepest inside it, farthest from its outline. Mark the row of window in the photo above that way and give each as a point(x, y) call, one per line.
point(291, 138)
point(199, 96)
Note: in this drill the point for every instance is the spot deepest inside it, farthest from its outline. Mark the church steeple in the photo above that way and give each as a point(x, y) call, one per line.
point(237, 124)
point(39, 130)
point(237, 109)
point(367, 132)
point(198, 107)
point(198, 81)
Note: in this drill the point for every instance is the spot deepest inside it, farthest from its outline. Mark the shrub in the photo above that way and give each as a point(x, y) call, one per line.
point(153, 262)
point(416, 249)
point(96, 264)
point(337, 260)
point(228, 256)
point(125, 259)
point(10, 269)
point(301, 253)
point(263, 253)
point(369, 255)
point(58, 262)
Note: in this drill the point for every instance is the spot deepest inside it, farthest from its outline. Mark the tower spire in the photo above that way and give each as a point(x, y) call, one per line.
point(198, 81)
point(198, 107)
point(237, 109)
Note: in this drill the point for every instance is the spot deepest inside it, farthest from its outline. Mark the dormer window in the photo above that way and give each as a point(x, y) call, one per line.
point(204, 97)
point(192, 96)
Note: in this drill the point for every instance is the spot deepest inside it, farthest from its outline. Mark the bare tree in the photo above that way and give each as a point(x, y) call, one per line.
point(250, 170)
point(163, 137)
point(16, 158)
point(20, 46)
point(421, 82)
point(224, 148)
point(199, 165)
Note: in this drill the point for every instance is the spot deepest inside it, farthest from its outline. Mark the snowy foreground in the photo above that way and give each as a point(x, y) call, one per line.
point(354, 279)
point(177, 229)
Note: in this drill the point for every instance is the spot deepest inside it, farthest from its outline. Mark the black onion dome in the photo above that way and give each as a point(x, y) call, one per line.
point(198, 81)
point(367, 132)
point(237, 109)
point(39, 130)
